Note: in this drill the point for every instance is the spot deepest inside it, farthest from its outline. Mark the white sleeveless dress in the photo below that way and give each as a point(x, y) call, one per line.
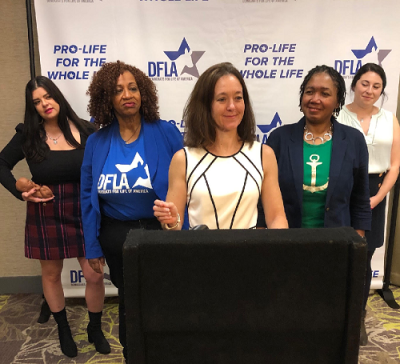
point(379, 138)
point(222, 192)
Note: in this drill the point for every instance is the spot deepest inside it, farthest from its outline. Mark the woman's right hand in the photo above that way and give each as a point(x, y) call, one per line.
point(97, 264)
point(28, 196)
point(165, 212)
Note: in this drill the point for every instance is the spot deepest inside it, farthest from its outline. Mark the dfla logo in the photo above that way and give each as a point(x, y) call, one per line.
point(371, 53)
point(183, 61)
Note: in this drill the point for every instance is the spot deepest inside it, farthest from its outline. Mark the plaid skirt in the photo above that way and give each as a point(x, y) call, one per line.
point(53, 229)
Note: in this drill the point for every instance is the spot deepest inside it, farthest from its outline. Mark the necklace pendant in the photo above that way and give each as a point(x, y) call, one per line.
point(55, 141)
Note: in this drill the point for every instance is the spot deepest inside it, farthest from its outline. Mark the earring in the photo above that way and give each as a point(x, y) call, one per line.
point(336, 112)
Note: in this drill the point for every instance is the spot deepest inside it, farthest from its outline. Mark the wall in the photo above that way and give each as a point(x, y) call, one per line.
point(14, 74)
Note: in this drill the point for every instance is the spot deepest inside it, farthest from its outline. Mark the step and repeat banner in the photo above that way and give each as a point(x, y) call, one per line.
point(274, 43)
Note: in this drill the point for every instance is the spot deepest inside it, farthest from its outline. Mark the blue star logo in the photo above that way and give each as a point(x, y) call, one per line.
point(369, 49)
point(274, 123)
point(189, 58)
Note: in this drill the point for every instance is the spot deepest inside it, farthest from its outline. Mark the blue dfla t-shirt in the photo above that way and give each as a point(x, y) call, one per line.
point(124, 186)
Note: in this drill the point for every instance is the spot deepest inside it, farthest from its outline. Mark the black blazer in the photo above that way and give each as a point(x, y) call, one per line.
point(347, 200)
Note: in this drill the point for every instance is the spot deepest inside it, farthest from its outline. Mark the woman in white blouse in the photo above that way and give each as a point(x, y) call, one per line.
point(222, 171)
point(382, 135)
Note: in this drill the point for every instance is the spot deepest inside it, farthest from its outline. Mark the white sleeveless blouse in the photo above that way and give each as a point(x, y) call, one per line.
point(379, 138)
point(222, 192)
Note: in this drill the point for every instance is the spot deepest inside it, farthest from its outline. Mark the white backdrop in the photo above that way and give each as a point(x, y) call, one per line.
point(272, 42)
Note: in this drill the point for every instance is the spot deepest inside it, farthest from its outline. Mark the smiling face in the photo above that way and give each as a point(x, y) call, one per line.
point(319, 99)
point(127, 100)
point(45, 105)
point(227, 107)
point(368, 89)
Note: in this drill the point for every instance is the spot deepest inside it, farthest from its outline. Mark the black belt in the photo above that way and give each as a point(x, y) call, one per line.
point(151, 223)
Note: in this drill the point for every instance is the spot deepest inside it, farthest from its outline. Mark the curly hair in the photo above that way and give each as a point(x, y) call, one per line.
point(200, 127)
point(34, 136)
point(337, 79)
point(102, 91)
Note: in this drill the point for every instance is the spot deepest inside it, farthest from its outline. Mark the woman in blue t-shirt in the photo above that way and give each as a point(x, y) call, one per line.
point(125, 167)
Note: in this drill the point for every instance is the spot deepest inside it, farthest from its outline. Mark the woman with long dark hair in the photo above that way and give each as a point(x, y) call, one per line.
point(382, 135)
point(52, 140)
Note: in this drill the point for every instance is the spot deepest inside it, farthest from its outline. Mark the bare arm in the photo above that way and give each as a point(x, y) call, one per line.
point(167, 211)
point(392, 174)
point(271, 196)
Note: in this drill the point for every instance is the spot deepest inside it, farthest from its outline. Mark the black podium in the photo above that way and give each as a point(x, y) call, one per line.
point(244, 296)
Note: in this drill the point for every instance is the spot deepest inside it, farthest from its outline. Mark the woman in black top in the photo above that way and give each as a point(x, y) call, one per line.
point(52, 139)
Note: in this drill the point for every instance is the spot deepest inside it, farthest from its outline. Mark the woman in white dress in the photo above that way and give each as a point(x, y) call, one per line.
point(382, 135)
point(222, 171)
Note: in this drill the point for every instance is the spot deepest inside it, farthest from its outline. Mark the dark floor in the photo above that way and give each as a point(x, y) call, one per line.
point(23, 340)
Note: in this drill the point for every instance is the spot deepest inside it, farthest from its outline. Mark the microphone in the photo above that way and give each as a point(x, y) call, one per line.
point(199, 227)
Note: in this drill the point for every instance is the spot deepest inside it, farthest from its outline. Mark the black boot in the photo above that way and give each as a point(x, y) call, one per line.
point(363, 331)
point(95, 335)
point(44, 312)
point(68, 346)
